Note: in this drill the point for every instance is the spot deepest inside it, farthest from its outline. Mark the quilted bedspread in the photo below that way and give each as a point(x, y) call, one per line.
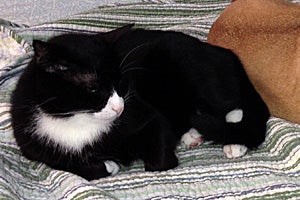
point(270, 172)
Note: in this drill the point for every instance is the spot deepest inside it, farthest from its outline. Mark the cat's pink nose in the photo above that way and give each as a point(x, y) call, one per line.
point(118, 109)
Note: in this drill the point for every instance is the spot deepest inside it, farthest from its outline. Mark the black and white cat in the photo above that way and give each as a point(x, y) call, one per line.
point(88, 103)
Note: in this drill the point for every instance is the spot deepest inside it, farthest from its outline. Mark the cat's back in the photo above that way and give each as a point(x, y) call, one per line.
point(178, 54)
point(176, 70)
point(178, 47)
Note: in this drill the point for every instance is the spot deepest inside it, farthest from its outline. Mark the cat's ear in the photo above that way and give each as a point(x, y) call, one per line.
point(40, 50)
point(114, 35)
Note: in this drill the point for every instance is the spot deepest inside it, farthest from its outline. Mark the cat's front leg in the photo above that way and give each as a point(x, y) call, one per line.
point(161, 160)
point(159, 146)
point(96, 171)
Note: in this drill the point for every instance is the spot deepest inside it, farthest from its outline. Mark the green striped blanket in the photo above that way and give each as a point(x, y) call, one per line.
point(271, 172)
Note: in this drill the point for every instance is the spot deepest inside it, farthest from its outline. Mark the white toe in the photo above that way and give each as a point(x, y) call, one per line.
point(191, 138)
point(112, 167)
point(234, 150)
point(234, 116)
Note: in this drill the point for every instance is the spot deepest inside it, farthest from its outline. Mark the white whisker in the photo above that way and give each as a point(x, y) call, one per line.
point(124, 68)
point(129, 53)
point(130, 93)
point(74, 112)
point(46, 101)
point(131, 69)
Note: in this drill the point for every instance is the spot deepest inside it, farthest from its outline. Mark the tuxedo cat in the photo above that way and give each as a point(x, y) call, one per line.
point(88, 103)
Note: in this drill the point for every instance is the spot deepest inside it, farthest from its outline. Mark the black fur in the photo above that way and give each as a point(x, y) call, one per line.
point(174, 81)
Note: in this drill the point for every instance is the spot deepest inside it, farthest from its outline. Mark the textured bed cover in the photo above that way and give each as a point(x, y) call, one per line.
point(271, 172)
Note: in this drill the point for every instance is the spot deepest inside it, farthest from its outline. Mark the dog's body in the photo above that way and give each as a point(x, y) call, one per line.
point(265, 34)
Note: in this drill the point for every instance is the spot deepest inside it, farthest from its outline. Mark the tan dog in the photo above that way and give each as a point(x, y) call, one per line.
point(265, 34)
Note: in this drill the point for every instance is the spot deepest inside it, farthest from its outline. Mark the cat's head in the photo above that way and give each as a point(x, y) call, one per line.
point(77, 74)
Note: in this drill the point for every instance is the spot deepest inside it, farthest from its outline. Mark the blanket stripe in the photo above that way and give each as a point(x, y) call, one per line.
point(270, 172)
point(193, 19)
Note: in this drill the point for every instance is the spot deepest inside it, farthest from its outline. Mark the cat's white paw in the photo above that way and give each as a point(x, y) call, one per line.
point(112, 167)
point(234, 150)
point(234, 116)
point(191, 138)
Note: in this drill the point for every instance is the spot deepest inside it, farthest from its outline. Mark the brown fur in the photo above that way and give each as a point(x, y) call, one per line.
point(265, 34)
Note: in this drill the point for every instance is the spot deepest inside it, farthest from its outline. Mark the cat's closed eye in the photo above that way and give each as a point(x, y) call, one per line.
point(92, 89)
point(61, 67)
point(56, 68)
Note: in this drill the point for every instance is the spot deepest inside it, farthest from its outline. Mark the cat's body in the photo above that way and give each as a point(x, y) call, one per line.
point(88, 102)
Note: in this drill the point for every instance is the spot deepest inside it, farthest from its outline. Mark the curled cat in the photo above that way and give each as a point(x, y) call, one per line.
point(87, 104)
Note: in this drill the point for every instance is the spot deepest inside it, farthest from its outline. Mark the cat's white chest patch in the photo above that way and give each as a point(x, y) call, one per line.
point(73, 133)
